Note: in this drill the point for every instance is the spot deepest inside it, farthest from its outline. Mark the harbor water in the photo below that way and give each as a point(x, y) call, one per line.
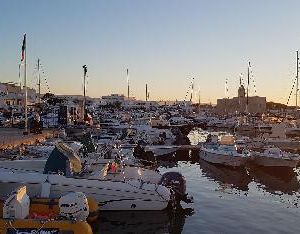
point(248, 200)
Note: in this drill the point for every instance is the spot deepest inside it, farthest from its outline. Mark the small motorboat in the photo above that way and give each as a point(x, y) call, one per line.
point(223, 152)
point(275, 157)
point(115, 186)
point(73, 212)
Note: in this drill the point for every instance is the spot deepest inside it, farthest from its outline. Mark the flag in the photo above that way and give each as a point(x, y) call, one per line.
point(23, 48)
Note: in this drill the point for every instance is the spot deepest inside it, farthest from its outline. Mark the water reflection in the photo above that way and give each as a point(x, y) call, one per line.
point(235, 178)
point(276, 180)
point(143, 222)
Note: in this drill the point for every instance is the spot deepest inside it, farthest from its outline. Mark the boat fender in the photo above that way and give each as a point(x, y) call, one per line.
point(74, 206)
point(17, 205)
point(46, 188)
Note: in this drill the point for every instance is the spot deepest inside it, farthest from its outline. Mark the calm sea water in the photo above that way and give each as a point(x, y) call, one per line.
point(250, 200)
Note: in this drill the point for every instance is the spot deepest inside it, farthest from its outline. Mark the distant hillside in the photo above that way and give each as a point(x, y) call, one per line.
point(278, 106)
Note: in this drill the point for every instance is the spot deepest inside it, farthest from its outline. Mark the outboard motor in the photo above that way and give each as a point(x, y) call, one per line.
point(177, 183)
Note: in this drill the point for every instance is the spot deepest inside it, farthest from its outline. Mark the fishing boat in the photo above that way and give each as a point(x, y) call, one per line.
point(223, 152)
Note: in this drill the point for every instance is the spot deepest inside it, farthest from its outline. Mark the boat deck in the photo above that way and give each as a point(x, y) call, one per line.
point(13, 137)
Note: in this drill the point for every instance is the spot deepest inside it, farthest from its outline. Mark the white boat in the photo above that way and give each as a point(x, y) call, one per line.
point(114, 187)
point(223, 152)
point(275, 157)
point(279, 139)
point(111, 195)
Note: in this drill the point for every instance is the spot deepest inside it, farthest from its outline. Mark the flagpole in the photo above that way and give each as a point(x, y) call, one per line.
point(25, 86)
point(20, 81)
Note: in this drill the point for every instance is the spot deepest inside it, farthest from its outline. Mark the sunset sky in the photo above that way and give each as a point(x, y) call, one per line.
point(163, 43)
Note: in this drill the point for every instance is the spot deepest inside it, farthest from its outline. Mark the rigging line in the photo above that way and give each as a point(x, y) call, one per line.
point(188, 91)
point(45, 77)
point(253, 80)
point(293, 85)
point(47, 85)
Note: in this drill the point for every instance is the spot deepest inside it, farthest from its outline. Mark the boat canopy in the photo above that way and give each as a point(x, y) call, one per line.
point(227, 140)
point(63, 159)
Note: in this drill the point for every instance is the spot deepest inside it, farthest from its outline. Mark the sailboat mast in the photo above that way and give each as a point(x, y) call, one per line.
point(146, 92)
point(192, 90)
point(199, 100)
point(39, 81)
point(127, 83)
point(297, 79)
point(84, 89)
point(25, 83)
point(248, 82)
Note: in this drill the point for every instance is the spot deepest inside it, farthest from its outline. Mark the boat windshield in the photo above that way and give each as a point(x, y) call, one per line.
point(63, 160)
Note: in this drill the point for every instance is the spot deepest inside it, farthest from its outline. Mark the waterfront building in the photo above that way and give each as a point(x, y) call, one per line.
point(241, 104)
point(12, 95)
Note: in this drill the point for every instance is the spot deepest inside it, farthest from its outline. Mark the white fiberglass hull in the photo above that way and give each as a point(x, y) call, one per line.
point(110, 195)
point(34, 165)
point(214, 156)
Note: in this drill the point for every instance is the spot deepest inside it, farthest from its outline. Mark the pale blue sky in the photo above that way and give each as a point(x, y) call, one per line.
point(164, 43)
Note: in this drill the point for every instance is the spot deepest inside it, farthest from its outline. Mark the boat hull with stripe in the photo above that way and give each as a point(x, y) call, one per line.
point(110, 195)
